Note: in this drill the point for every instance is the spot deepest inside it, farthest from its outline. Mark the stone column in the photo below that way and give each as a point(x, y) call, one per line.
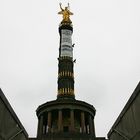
point(91, 128)
point(49, 122)
point(72, 119)
point(83, 122)
point(60, 120)
point(44, 128)
point(40, 126)
point(86, 129)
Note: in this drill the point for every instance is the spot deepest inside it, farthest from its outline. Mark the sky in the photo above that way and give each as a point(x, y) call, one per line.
point(107, 52)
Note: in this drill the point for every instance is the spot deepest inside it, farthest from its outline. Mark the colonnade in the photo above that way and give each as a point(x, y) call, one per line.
point(86, 122)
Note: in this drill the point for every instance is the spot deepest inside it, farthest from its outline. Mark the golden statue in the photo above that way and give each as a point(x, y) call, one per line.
point(66, 13)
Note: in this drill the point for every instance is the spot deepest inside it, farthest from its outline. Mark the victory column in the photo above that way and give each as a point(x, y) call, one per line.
point(66, 118)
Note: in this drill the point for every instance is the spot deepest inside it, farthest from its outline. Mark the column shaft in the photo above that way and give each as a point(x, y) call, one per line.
point(60, 120)
point(49, 121)
point(91, 128)
point(40, 126)
point(72, 120)
point(83, 122)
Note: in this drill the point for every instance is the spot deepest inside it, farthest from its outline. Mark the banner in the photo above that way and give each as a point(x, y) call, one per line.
point(66, 43)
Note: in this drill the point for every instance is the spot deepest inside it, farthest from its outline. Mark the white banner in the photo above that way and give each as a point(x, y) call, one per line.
point(66, 51)
point(66, 37)
point(66, 43)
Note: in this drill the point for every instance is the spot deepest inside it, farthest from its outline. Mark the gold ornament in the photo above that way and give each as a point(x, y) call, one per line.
point(66, 14)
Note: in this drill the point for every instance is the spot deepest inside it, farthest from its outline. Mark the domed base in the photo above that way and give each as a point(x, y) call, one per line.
point(66, 117)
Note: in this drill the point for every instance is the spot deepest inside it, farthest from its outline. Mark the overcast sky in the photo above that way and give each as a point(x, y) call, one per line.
point(107, 50)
